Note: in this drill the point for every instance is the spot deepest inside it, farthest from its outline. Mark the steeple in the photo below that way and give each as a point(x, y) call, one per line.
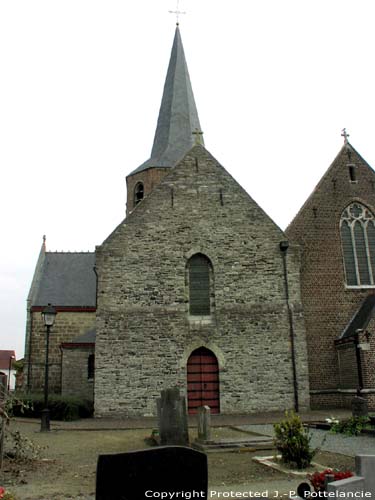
point(178, 116)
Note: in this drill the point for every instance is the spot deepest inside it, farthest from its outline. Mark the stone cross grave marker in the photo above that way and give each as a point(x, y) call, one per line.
point(204, 423)
point(359, 407)
point(172, 416)
point(149, 473)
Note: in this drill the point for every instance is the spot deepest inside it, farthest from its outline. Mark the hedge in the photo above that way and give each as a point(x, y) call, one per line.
point(61, 407)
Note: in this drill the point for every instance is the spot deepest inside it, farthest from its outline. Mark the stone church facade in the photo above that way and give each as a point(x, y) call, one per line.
point(198, 288)
point(148, 324)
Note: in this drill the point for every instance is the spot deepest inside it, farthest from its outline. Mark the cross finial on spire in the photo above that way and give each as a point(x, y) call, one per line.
point(198, 136)
point(345, 135)
point(177, 12)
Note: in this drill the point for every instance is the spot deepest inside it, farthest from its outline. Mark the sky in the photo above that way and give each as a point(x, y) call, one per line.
point(81, 81)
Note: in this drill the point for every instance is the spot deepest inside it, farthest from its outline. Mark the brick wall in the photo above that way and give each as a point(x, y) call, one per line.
point(348, 366)
point(328, 304)
point(150, 178)
point(144, 332)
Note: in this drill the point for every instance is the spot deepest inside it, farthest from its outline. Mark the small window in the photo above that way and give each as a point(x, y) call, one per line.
point(138, 193)
point(352, 173)
point(91, 367)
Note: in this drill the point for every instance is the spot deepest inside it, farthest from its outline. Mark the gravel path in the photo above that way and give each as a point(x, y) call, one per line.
point(336, 443)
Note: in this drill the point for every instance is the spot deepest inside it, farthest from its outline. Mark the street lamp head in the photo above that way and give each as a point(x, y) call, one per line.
point(49, 314)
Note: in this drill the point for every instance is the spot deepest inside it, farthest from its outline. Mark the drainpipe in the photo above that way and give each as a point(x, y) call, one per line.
point(96, 287)
point(359, 361)
point(284, 245)
point(29, 347)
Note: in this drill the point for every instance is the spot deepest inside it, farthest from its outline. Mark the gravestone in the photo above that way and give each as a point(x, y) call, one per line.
point(204, 423)
point(172, 416)
point(150, 473)
point(351, 487)
point(359, 486)
point(359, 407)
point(365, 467)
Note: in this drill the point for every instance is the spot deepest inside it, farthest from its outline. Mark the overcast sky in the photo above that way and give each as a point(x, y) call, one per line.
point(81, 81)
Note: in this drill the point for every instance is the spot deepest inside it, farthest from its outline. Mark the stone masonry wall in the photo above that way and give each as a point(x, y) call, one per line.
point(144, 332)
point(68, 325)
point(328, 303)
point(75, 381)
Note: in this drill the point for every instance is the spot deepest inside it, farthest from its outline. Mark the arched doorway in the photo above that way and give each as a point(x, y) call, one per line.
point(203, 381)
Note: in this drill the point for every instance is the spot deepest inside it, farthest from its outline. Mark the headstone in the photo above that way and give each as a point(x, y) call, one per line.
point(173, 424)
point(204, 423)
point(351, 487)
point(360, 486)
point(152, 473)
point(365, 467)
point(359, 407)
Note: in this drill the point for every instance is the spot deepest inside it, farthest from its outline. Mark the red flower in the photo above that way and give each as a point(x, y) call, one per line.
point(318, 478)
point(2, 491)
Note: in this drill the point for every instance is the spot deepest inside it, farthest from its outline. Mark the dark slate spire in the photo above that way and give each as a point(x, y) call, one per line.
point(178, 116)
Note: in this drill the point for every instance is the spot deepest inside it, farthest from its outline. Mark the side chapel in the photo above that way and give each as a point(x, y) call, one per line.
point(199, 288)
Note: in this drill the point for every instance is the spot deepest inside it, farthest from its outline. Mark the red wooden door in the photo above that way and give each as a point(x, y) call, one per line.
point(203, 381)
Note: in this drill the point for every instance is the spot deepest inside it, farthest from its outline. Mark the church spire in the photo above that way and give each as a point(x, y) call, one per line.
point(178, 116)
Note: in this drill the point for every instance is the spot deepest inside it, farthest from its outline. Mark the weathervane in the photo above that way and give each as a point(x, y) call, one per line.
point(177, 12)
point(345, 135)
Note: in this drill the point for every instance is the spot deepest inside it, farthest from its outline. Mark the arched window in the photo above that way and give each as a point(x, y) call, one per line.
point(357, 228)
point(91, 367)
point(138, 193)
point(200, 283)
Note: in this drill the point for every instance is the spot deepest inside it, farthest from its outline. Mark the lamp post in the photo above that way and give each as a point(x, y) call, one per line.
point(10, 368)
point(49, 315)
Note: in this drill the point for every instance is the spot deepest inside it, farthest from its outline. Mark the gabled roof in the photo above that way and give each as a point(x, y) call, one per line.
point(67, 280)
point(178, 116)
point(361, 318)
point(346, 149)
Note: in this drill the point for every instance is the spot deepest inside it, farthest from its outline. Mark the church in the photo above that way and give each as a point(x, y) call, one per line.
point(198, 288)
point(335, 229)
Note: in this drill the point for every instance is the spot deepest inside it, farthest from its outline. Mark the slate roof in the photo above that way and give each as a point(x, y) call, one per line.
point(178, 116)
point(66, 279)
point(88, 337)
point(361, 318)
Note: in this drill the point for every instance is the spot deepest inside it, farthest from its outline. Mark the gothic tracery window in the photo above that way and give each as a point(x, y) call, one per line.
point(357, 228)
